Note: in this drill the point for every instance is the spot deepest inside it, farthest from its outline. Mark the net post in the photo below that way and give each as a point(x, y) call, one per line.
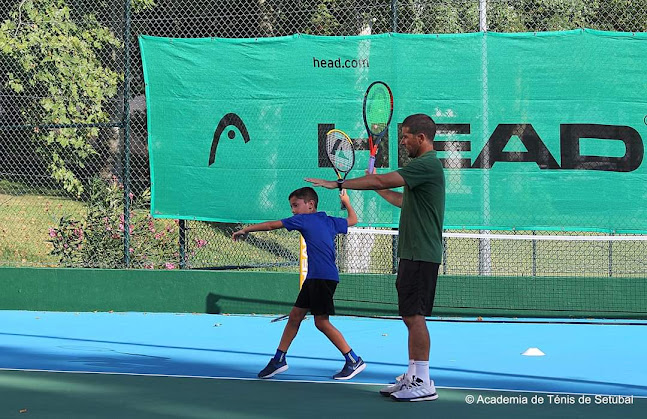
point(444, 255)
point(303, 261)
point(394, 254)
point(534, 255)
point(610, 256)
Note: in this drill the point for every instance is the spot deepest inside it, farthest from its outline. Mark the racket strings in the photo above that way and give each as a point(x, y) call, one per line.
point(378, 108)
point(340, 151)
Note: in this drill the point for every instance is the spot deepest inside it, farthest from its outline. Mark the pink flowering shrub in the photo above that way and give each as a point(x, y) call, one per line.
point(98, 240)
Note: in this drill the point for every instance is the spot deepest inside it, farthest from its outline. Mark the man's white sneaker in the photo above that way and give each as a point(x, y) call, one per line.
point(401, 382)
point(416, 391)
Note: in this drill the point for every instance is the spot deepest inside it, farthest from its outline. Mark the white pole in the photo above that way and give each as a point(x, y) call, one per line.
point(483, 15)
point(485, 255)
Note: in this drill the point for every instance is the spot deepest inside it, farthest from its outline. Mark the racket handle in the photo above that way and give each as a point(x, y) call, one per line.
point(339, 183)
point(371, 164)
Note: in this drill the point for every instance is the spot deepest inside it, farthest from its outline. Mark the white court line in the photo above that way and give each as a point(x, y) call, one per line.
point(312, 382)
point(189, 376)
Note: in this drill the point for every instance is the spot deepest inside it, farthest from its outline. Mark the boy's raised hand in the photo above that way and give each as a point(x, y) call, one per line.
point(344, 198)
point(240, 234)
point(352, 215)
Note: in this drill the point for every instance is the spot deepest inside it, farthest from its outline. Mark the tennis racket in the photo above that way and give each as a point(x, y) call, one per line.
point(378, 110)
point(341, 154)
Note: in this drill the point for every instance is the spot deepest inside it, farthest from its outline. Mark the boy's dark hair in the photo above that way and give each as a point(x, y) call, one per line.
point(305, 193)
point(420, 123)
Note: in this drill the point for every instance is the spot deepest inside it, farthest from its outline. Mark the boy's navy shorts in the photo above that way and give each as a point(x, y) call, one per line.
point(316, 295)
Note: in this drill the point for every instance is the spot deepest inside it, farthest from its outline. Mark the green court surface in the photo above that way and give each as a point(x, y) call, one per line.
point(74, 395)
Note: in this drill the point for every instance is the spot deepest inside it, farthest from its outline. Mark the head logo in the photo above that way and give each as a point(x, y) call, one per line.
point(229, 120)
point(571, 137)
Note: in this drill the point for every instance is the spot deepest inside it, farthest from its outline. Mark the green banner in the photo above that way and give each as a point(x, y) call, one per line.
point(537, 131)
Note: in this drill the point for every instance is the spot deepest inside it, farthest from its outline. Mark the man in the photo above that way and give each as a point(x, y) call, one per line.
point(419, 246)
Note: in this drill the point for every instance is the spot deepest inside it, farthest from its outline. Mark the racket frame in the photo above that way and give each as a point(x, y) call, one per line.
point(375, 139)
point(340, 178)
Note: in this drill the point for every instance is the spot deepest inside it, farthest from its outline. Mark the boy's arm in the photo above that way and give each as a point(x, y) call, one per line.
point(352, 215)
point(266, 226)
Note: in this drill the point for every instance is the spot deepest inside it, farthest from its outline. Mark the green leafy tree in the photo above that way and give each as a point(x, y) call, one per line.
point(618, 15)
point(551, 15)
point(556, 15)
point(54, 64)
point(415, 16)
point(62, 66)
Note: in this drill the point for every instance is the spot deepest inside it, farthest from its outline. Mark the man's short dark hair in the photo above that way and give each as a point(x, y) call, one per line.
point(420, 124)
point(306, 193)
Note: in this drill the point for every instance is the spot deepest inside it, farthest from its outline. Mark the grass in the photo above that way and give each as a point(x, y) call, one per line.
point(27, 214)
point(25, 220)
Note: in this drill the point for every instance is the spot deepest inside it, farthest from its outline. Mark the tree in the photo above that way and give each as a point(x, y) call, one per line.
point(54, 67)
point(62, 67)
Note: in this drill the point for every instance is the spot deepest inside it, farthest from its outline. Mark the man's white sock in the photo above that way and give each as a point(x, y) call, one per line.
point(422, 371)
point(412, 369)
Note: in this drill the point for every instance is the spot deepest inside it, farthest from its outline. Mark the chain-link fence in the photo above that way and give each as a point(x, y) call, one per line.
point(74, 169)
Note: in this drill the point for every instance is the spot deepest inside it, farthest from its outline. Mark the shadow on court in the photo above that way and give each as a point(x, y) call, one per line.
point(58, 395)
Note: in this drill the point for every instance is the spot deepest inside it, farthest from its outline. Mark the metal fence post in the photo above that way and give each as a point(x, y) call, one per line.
point(394, 15)
point(182, 242)
point(485, 250)
point(483, 15)
point(126, 128)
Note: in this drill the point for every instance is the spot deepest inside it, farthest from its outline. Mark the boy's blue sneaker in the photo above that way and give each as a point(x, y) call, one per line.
point(350, 370)
point(273, 367)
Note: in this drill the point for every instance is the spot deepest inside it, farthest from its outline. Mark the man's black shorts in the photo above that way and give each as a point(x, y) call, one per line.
point(416, 285)
point(317, 296)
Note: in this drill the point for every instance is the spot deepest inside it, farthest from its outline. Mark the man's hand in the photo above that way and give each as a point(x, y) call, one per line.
point(328, 184)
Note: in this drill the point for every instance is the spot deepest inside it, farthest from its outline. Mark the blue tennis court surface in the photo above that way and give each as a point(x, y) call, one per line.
point(606, 359)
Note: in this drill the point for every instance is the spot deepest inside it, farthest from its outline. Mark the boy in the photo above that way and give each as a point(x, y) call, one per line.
point(316, 295)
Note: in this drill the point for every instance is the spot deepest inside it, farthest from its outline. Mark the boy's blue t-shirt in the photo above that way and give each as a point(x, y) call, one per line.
point(319, 231)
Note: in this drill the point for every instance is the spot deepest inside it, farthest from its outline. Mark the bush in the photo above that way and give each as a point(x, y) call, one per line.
point(98, 241)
